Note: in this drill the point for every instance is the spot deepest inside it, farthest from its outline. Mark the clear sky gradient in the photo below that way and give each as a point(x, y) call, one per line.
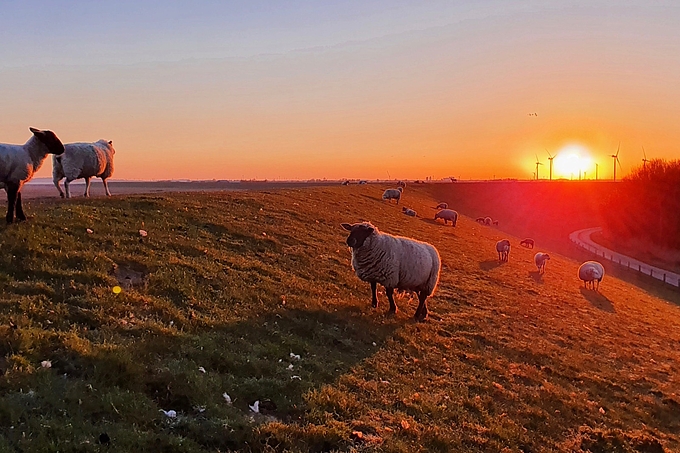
point(352, 89)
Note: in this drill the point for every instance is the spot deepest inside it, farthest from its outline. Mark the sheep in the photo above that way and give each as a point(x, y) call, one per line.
point(345, 182)
point(390, 194)
point(527, 243)
point(363, 181)
point(503, 249)
point(395, 262)
point(18, 164)
point(401, 184)
point(487, 221)
point(447, 215)
point(591, 272)
point(409, 211)
point(495, 222)
point(442, 205)
point(83, 160)
point(480, 220)
point(540, 259)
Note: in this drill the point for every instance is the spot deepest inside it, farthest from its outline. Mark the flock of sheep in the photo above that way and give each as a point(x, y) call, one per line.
point(404, 264)
point(18, 164)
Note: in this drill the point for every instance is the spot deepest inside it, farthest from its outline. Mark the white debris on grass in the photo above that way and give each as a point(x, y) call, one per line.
point(290, 367)
point(294, 356)
point(201, 369)
point(143, 233)
point(296, 377)
point(170, 414)
point(89, 231)
point(226, 397)
point(46, 364)
point(255, 407)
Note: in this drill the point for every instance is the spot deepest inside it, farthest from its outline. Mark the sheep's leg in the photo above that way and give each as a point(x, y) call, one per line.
point(11, 190)
point(56, 184)
point(87, 187)
point(106, 187)
point(421, 312)
point(20, 210)
point(390, 297)
point(374, 294)
point(67, 187)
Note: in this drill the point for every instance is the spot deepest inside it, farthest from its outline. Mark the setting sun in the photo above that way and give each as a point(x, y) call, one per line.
point(572, 162)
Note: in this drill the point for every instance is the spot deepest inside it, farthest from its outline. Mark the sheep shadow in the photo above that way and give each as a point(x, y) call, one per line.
point(372, 197)
point(598, 300)
point(536, 276)
point(489, 265)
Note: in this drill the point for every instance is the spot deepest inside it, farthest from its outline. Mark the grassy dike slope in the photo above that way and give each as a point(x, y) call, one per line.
point(236, 282)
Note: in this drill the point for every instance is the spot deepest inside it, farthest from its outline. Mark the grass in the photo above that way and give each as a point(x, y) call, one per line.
point(237, 282)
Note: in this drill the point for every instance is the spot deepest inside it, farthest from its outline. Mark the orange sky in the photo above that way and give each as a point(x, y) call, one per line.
point(446, 96)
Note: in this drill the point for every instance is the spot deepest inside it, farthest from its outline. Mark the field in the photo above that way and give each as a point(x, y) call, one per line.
point(227, 289)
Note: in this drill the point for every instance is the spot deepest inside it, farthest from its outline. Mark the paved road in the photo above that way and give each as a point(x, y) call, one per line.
point(582, 239)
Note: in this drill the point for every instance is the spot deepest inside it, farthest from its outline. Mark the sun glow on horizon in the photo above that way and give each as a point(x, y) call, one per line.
point(573, 162)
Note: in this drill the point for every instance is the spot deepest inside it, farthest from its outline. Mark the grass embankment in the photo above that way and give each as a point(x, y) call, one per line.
point(236, 282)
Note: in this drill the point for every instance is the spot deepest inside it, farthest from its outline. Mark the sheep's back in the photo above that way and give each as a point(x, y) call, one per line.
point(13, 163)
point(82, 160)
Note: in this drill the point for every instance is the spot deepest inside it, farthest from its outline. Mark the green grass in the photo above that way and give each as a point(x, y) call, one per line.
point(236, 282)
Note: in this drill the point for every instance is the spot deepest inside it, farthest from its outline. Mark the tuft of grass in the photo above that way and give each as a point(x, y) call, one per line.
point(226, 286)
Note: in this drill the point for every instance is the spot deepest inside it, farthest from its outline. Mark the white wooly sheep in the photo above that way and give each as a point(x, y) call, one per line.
point(395, 262)
point(591, 272)
point(83, 160)
point(447, 215)
point(540, 259)
point(395, 194)
point(503, 249)
point(409, 211)
point(487, 221)
point(18, 164)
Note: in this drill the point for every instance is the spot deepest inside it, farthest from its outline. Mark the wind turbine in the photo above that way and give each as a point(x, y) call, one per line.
point(616, 160)
point(550, 158)
point(596, 167)
point(537, 164)
point(644, 160)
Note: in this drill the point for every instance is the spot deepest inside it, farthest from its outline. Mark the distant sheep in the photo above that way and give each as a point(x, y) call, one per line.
point(409, 211)
point(487, 221)
point(392, 194)
point(345, 183)
point(591, 272)
point(442, 205)
point(18, 164)
point(480, 220)
point(363, 181)
point(503, 249)
point(495, 222)
point(540, 259)
point(447, 215)
point(394, 262)
point(401, 184)
point(83, 160)
point(528, 243)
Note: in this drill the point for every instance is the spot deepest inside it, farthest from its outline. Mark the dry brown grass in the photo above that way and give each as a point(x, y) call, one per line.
point(509, 360)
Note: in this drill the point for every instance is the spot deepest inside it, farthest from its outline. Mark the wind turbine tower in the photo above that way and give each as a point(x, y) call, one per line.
point(550, 158)
point(616, 160)
point(644, 159)
point(537, 164)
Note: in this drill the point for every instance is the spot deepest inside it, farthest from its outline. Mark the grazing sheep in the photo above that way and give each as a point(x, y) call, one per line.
point(503, 249)
point(409, 211)
point(18, 163)
point(487, 221)
point(390, 194)
point(540, 259)
point(394, 262)
point(495, 222)
point(447, 215)
point(480, 220)
point(363, 181)
point(528, 243)
point(83, 160)
point(442, 205)
point(401, 184)
point(591, 272)
point(345, 183)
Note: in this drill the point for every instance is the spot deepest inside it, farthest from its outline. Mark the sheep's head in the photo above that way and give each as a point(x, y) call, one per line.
point(49, 139)
point(358, 233)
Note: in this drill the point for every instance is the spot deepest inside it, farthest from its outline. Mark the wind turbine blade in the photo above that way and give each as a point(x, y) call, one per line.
point(617, 150)
point(644, 153)
point(619, 162)
point(549, 155)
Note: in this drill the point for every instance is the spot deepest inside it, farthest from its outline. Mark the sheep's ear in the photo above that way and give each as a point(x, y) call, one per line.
point(34, 131)
point(346, 226)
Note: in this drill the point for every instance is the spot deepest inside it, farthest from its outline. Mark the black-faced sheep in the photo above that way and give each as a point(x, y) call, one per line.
point(447, 215)
point(442, 205)
point(591, 272)
point(528, 243)
point(487, 221)
point(83, 160)
point(540, 259)
point(18, 164)
point(392, 194)
point(409, 212)
point(503, 249)
point(394, 262)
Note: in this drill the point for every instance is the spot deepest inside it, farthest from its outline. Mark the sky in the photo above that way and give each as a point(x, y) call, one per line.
point(347, 89)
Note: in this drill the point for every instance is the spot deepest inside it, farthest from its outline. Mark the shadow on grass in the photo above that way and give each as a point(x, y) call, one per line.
point(489, 264)
point(276, 358)
point(537, 276)
point(598, 300)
